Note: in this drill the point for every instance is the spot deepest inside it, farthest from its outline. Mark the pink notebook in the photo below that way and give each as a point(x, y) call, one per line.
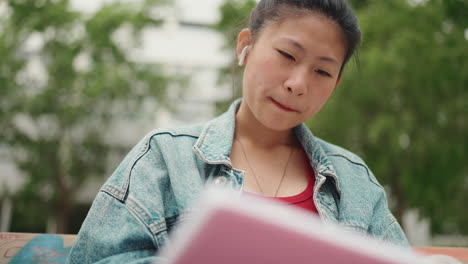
point(252, 230)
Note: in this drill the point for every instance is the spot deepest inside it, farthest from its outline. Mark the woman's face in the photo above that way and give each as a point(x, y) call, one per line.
point(291, 69)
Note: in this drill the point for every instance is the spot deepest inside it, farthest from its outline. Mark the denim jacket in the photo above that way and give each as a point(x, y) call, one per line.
point(154, 186)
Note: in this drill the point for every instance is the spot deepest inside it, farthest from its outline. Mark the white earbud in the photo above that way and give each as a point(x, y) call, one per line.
point(243, 55)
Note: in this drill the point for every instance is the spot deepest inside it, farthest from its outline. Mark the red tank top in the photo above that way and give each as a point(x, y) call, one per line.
point(305, 198)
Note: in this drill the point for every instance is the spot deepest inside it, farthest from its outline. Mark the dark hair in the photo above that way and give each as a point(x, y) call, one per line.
point(337, 10)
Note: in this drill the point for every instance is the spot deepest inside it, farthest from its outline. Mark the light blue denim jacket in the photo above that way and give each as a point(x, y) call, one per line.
point(154, 186)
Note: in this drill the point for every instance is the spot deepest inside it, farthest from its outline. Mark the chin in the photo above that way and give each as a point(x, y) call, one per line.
point(279, 126)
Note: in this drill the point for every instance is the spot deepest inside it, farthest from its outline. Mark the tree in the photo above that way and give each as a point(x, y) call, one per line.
point(404, 109)
point(234, 17)
point(65, 78)
point(403, 106)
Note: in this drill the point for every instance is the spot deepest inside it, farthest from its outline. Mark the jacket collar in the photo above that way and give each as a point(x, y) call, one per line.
point(215, 143)
point(317, 156)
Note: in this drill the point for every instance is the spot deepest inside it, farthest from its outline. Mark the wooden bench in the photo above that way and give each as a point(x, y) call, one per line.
point(36, 248)
point(50, 248)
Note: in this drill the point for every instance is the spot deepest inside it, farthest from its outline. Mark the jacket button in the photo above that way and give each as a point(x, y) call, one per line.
point(221, 180)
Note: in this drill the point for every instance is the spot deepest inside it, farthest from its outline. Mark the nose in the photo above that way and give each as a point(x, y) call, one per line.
point(296, 84)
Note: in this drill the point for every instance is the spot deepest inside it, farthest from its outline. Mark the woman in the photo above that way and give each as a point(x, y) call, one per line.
point(294, 53)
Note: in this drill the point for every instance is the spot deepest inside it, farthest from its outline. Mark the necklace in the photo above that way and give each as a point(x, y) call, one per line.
point(255, 176)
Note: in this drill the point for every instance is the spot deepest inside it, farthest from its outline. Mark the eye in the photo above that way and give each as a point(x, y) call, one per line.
point(286, 55)
point(324, 73)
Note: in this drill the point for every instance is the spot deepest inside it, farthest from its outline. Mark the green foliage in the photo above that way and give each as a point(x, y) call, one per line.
point(234, 17)
point(403, 108)
point(54, 122)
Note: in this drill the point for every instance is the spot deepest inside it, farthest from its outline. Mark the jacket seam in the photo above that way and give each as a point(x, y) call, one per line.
point(113, 191)
point(199, 152)
point(348, 158)
point(138, 211)
point(172, 133)
point(329, 209)
point(138, 157)
point(389, 226)
point(135, 212)
point(143, 152)
point(354, 224)
point(359, 164)
point(391, 219)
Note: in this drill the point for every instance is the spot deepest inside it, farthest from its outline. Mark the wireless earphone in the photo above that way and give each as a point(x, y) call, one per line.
point(243, 54)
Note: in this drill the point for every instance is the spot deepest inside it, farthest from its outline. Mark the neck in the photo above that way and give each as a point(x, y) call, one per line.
point(250, 130)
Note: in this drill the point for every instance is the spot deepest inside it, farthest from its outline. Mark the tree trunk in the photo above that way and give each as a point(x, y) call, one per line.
point(62, 213)
point(63, 190)
point(63, 201)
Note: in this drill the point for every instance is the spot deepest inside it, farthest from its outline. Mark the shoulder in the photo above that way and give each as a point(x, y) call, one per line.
point(169, 135)
point(147, 156)
point(337, 151)
point(192, 131)
point(348, 165)
point(151, 143)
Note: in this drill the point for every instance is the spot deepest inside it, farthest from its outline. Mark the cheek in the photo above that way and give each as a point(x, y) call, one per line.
point(267, 72)
point(267, 62)
point(325, 94)
point(324, 89)
point(320, 96)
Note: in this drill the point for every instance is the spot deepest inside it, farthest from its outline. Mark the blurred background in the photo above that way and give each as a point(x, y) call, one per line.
point(81, 81)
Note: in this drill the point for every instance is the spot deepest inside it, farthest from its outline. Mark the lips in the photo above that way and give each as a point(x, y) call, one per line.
point(282, 107)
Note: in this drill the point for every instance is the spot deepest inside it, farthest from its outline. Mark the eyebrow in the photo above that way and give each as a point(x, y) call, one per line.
point(299, 46)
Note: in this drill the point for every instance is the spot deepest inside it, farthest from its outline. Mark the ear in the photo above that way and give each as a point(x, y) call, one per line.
point(244, 39)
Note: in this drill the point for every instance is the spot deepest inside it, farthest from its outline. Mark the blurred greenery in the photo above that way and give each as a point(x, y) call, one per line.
point(64, 80)
point(234, 17)
point(403, 107)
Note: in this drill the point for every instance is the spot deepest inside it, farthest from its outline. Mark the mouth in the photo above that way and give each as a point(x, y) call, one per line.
point(282, 107)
